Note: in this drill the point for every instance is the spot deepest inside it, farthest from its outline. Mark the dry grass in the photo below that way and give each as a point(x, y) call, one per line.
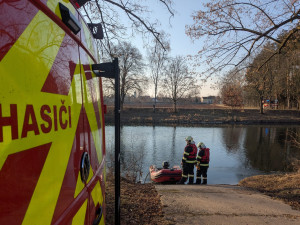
point(201, 115)
point(285, 187)
point(140, 203)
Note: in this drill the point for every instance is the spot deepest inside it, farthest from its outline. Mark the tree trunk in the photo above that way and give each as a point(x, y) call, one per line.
point(261, 110)
point(122, 98)
point(175, 106)
point(155, 96)
point(287, 91)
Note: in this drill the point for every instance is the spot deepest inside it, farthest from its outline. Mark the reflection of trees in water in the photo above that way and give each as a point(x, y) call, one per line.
point(232, 137)
point(173, 149)
point(168, 146)
point(132, 154)
point(154, 155)
point(132, 157)
point(267, 149)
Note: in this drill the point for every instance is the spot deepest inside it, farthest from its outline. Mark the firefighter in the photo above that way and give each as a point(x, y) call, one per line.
point(202, 163)
point(188, 161)
point(165, 165)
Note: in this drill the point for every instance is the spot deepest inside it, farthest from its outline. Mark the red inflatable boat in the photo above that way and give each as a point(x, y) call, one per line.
point(163, 175)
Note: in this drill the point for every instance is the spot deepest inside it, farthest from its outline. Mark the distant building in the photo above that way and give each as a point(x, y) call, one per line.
point(209, 99)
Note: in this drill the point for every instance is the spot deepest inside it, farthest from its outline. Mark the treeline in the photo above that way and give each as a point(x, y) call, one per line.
point(272, 74)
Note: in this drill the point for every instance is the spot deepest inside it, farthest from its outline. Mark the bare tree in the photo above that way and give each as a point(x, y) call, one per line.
point(131, 70)
point(178, 82)
point(113, 14)
point(235, 29)
point(157, 57)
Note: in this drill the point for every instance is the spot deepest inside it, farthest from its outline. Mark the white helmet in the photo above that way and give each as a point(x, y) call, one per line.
point(201, 145)
point(189, 138)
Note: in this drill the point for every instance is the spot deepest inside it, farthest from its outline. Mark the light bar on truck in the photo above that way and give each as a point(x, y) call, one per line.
point(69, 19)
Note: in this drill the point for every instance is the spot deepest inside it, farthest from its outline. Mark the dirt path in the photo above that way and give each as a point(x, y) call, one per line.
point(222, 204)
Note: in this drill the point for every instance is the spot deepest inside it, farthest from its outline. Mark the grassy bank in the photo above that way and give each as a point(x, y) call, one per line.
point(202, 116)
point(285, 187)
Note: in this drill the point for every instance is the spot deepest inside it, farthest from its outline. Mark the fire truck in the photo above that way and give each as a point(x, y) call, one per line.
point(52, 139)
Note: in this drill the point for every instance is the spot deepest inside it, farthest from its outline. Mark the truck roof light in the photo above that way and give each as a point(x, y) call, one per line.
point(69, 19)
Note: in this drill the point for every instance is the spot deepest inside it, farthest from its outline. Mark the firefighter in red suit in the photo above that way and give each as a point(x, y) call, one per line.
point(188, 161)
point(202, 163)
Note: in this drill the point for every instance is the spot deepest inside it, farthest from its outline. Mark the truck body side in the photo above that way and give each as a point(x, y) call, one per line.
point(52, 144)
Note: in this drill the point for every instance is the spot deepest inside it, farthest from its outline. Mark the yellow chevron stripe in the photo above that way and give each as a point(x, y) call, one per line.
point(80, 215)
point(97, 194)
point(79, 186)
point(39, 47)
point(91, 174)
point(98, 198)
point(90, 111)
point(88, 37)
point(55, 166)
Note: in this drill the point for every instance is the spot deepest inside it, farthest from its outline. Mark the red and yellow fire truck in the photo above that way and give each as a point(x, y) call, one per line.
point(52, 146)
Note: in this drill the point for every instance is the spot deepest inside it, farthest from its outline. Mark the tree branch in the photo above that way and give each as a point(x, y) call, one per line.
point(129, 12)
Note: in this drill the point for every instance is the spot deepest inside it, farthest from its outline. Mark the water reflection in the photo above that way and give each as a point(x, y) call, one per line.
point(232, 137)
point(236, 151)
point(268, 149)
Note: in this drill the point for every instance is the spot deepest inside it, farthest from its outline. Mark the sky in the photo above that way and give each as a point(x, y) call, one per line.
point(180, 43)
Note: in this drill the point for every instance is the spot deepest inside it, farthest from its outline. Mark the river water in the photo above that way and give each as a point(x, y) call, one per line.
point(236, 152)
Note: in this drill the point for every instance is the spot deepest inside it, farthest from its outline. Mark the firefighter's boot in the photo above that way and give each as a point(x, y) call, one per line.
point(182, 180)
point(191, 180)
point(204, 181)
point(198, 181)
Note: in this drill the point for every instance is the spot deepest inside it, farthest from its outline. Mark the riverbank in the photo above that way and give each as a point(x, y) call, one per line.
point(141, 203)
point(214, 115)
point(285, 187)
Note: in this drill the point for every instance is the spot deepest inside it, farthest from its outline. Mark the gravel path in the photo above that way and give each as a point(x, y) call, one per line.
point(222, 204)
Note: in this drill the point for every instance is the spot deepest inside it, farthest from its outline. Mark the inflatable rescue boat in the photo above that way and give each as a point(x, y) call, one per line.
point(165, 174)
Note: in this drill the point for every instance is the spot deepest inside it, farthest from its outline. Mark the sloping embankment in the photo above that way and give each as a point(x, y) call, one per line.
point(194, 117)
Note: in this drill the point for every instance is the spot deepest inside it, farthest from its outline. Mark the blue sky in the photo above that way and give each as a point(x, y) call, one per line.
point(180, 43)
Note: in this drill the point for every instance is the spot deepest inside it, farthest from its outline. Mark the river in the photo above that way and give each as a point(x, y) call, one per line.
point(236, 152)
